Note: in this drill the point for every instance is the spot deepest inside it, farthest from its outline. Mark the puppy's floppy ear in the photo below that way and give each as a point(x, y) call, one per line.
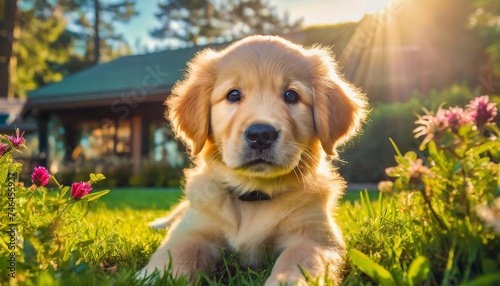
point(339, 108)
point(188, 108)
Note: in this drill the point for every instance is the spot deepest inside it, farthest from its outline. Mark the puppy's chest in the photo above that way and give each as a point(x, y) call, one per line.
point(252, 231)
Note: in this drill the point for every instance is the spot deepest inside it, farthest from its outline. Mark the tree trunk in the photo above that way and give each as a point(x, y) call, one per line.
point(13, 55)
point(97, 40)
point(8, 9)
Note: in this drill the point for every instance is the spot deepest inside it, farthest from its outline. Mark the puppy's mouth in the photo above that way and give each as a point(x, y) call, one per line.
point(253, 159)
point(261, 164)
point(258, 161)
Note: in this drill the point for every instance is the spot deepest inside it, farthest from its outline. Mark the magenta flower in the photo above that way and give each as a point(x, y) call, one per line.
point(481, 110)
point(40, 176)
point(80, 190)
point(3, 147)
point(18, 140)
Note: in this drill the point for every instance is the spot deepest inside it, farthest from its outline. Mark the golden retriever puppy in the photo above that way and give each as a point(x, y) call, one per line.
point(261, 117)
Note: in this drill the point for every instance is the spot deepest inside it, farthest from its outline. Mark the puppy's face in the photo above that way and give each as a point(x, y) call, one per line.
point(260, 106)
point(261, 109)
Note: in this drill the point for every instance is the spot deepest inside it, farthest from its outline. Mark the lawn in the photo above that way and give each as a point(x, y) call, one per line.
point(141, 199)
point(126, 242)
point(160, 198)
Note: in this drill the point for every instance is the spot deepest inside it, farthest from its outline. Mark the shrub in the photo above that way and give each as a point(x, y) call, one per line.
point(119, 173)
point(450, 196)
point(371, 154)
point(42, 225)
point(156, 174)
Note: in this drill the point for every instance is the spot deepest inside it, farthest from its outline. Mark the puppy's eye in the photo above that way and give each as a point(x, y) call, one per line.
point(233, 96)
point(291, 96)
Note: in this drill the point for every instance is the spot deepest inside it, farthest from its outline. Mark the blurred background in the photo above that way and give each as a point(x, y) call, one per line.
point(87, 79)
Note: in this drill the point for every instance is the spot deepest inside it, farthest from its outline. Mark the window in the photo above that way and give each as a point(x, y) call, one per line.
point(163, 147)
point(104, 137)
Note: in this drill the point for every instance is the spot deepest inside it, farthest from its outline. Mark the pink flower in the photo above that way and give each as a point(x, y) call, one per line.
point(80, 190)
point(456, 117)
point(481, 110)
point(431, 126)
point(40, 176)
point(3, 147)
point(18, 140)
point(441, 119)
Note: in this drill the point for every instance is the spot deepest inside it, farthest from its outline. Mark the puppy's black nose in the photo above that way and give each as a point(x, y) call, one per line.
point(261, 136)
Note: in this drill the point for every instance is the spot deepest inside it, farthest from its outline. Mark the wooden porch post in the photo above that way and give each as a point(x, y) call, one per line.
point(43, 139)
point(70, 140)
point(136, 139)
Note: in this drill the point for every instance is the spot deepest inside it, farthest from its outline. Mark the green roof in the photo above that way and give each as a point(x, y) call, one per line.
point(148, 74)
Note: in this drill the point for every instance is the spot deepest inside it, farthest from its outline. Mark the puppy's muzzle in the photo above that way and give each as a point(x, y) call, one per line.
point(261, 137)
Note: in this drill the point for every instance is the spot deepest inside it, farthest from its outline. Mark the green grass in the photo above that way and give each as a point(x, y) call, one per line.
point(141, 198)
point(129, 242)
point(353, 196)
point(151, 198)
point(126, 242)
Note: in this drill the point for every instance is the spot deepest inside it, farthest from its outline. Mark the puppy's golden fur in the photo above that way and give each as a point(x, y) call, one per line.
point(297, 222)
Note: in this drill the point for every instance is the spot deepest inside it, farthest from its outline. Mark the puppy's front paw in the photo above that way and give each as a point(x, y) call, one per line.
point(286, 280)
point(148, 271)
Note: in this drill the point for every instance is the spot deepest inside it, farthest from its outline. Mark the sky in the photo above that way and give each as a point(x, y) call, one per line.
point(314, 12)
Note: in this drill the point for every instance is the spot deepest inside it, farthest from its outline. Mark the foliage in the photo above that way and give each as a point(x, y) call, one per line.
point(395, 234)
point(371, 154)
point(42, 47)
point(42, 226)
point(485, 22)
point(49, 47)
point(463, 177)
point(156, 174)
point(115, 242)
point(188, 22)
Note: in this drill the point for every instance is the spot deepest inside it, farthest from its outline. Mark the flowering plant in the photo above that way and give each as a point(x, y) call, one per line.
point(42, 221)
point(456, 181)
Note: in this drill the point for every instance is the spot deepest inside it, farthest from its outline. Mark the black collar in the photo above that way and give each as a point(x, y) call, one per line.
point(252, 196)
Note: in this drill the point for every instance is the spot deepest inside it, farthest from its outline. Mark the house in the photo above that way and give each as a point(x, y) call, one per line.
point(114, 109)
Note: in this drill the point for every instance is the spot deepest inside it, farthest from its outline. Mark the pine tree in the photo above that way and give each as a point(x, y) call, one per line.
point(96, 28)
point(46, 50)
point(192, 22)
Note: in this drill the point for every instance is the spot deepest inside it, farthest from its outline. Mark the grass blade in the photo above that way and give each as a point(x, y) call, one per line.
point(371, 268)
point(418, 270)
point(396, 148)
